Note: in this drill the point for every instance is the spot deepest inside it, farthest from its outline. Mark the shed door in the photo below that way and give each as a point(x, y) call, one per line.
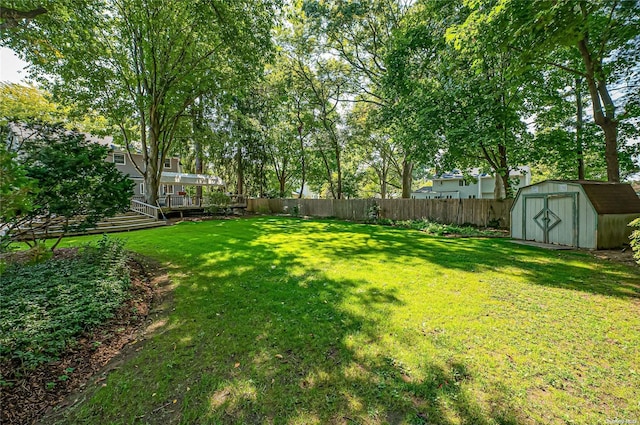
point(551, 218)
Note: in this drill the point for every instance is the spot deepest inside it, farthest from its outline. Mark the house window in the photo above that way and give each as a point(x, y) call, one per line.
point(463, 183)
point(167, 189)
point(167, 163)
point(141, 188)
point(118, 159)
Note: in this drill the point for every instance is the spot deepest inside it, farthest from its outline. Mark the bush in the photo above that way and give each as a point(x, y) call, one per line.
point(635, 239)
point(437, 229)
point(217, 201)
point(76, 187)
point(45, 305)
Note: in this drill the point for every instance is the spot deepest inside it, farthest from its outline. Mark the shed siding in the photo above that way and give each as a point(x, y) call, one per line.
point(563, 233)
point(587, 222)
point(614, 230)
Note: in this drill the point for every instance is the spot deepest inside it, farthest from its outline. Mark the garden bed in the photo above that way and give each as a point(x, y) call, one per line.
point(32, 386)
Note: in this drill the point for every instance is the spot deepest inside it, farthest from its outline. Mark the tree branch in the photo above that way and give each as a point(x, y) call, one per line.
point(12, 17)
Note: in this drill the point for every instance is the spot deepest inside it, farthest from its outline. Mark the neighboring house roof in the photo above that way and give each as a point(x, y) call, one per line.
point(424, 189)
point(476, 173)
point(608, 197)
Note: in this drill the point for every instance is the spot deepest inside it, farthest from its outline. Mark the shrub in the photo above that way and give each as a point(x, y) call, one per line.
point(45, 305)
point(76, 187)
point(635, 239)
point(437, 229)
point(373, 213)
point(217, 201)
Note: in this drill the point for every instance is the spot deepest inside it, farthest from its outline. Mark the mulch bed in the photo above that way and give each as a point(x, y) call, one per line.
point(25, 399)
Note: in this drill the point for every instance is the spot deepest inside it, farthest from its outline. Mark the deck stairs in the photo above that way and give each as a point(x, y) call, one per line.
point(125, 222)
point(132, 220)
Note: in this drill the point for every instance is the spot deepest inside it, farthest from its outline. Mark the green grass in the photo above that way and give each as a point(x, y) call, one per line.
point(289, 321)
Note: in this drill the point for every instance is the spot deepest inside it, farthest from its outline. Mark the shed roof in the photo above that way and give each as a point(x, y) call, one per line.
point(609, 197)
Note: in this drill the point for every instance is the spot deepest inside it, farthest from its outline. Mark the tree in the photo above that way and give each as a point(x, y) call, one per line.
point(12, 17)
point(17, 191)
point(76, 187)
point(143, 63)
point(461, 103)
point(360, 34)
point(605, 34)
point(24, 104)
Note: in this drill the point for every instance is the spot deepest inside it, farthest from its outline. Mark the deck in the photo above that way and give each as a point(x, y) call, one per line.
point(192, 204)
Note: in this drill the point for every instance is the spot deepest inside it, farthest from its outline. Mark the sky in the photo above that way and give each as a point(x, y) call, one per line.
point(11, 67)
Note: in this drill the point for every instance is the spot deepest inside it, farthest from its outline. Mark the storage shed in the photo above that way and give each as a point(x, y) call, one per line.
point(582, 214)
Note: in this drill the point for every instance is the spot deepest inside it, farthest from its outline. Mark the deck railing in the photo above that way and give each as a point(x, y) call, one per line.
point(145, 209)
point(180, 201)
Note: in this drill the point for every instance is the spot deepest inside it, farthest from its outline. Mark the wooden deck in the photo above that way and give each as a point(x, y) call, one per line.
point(186, 204)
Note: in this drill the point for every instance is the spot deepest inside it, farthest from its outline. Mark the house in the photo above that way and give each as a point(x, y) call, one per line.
point(473, 185)
point(174, 183)
point(575, 213)
point(425, 192)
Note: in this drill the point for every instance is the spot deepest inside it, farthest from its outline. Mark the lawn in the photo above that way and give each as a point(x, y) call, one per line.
point(289, 321)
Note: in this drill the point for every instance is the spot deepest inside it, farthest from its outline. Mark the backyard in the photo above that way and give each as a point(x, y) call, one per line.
point(284, 320)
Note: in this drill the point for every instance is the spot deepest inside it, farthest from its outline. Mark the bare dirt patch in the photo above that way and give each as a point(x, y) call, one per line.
point(624, 256)
point(27, 399)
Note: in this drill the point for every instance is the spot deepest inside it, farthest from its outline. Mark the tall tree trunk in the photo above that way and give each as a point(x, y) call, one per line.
point(328, 169)
point(152, 177)
point(498, 190)
point(339, 166)
point(579, 146)
point(407, 178)
point(302, 156)
point(383, 182)
point(199, 168)
point(240, 173)
point(198, 120)
point(603, 109)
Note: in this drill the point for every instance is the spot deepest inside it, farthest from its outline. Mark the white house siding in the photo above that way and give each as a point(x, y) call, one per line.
point(483, 188)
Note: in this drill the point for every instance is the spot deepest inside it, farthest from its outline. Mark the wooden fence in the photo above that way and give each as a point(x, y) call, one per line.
point(477, 212)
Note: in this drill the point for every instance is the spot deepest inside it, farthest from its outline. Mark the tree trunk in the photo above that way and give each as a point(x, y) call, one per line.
point(198, 120)
point(603, 109)
point(504, 172)
point(498, 190)
point(579, 147)
point(240, 173)
point(302, 154)
point(407, 178)
point(610, 129)
point(152, 177)
point(339, 167)
point(199, 168)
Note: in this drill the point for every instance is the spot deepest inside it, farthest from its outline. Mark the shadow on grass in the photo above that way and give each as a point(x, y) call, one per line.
point(272, 340)
point(260, 336)
point(539, 266)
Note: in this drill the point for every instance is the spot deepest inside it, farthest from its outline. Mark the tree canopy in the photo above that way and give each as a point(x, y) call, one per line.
point(349, 98)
